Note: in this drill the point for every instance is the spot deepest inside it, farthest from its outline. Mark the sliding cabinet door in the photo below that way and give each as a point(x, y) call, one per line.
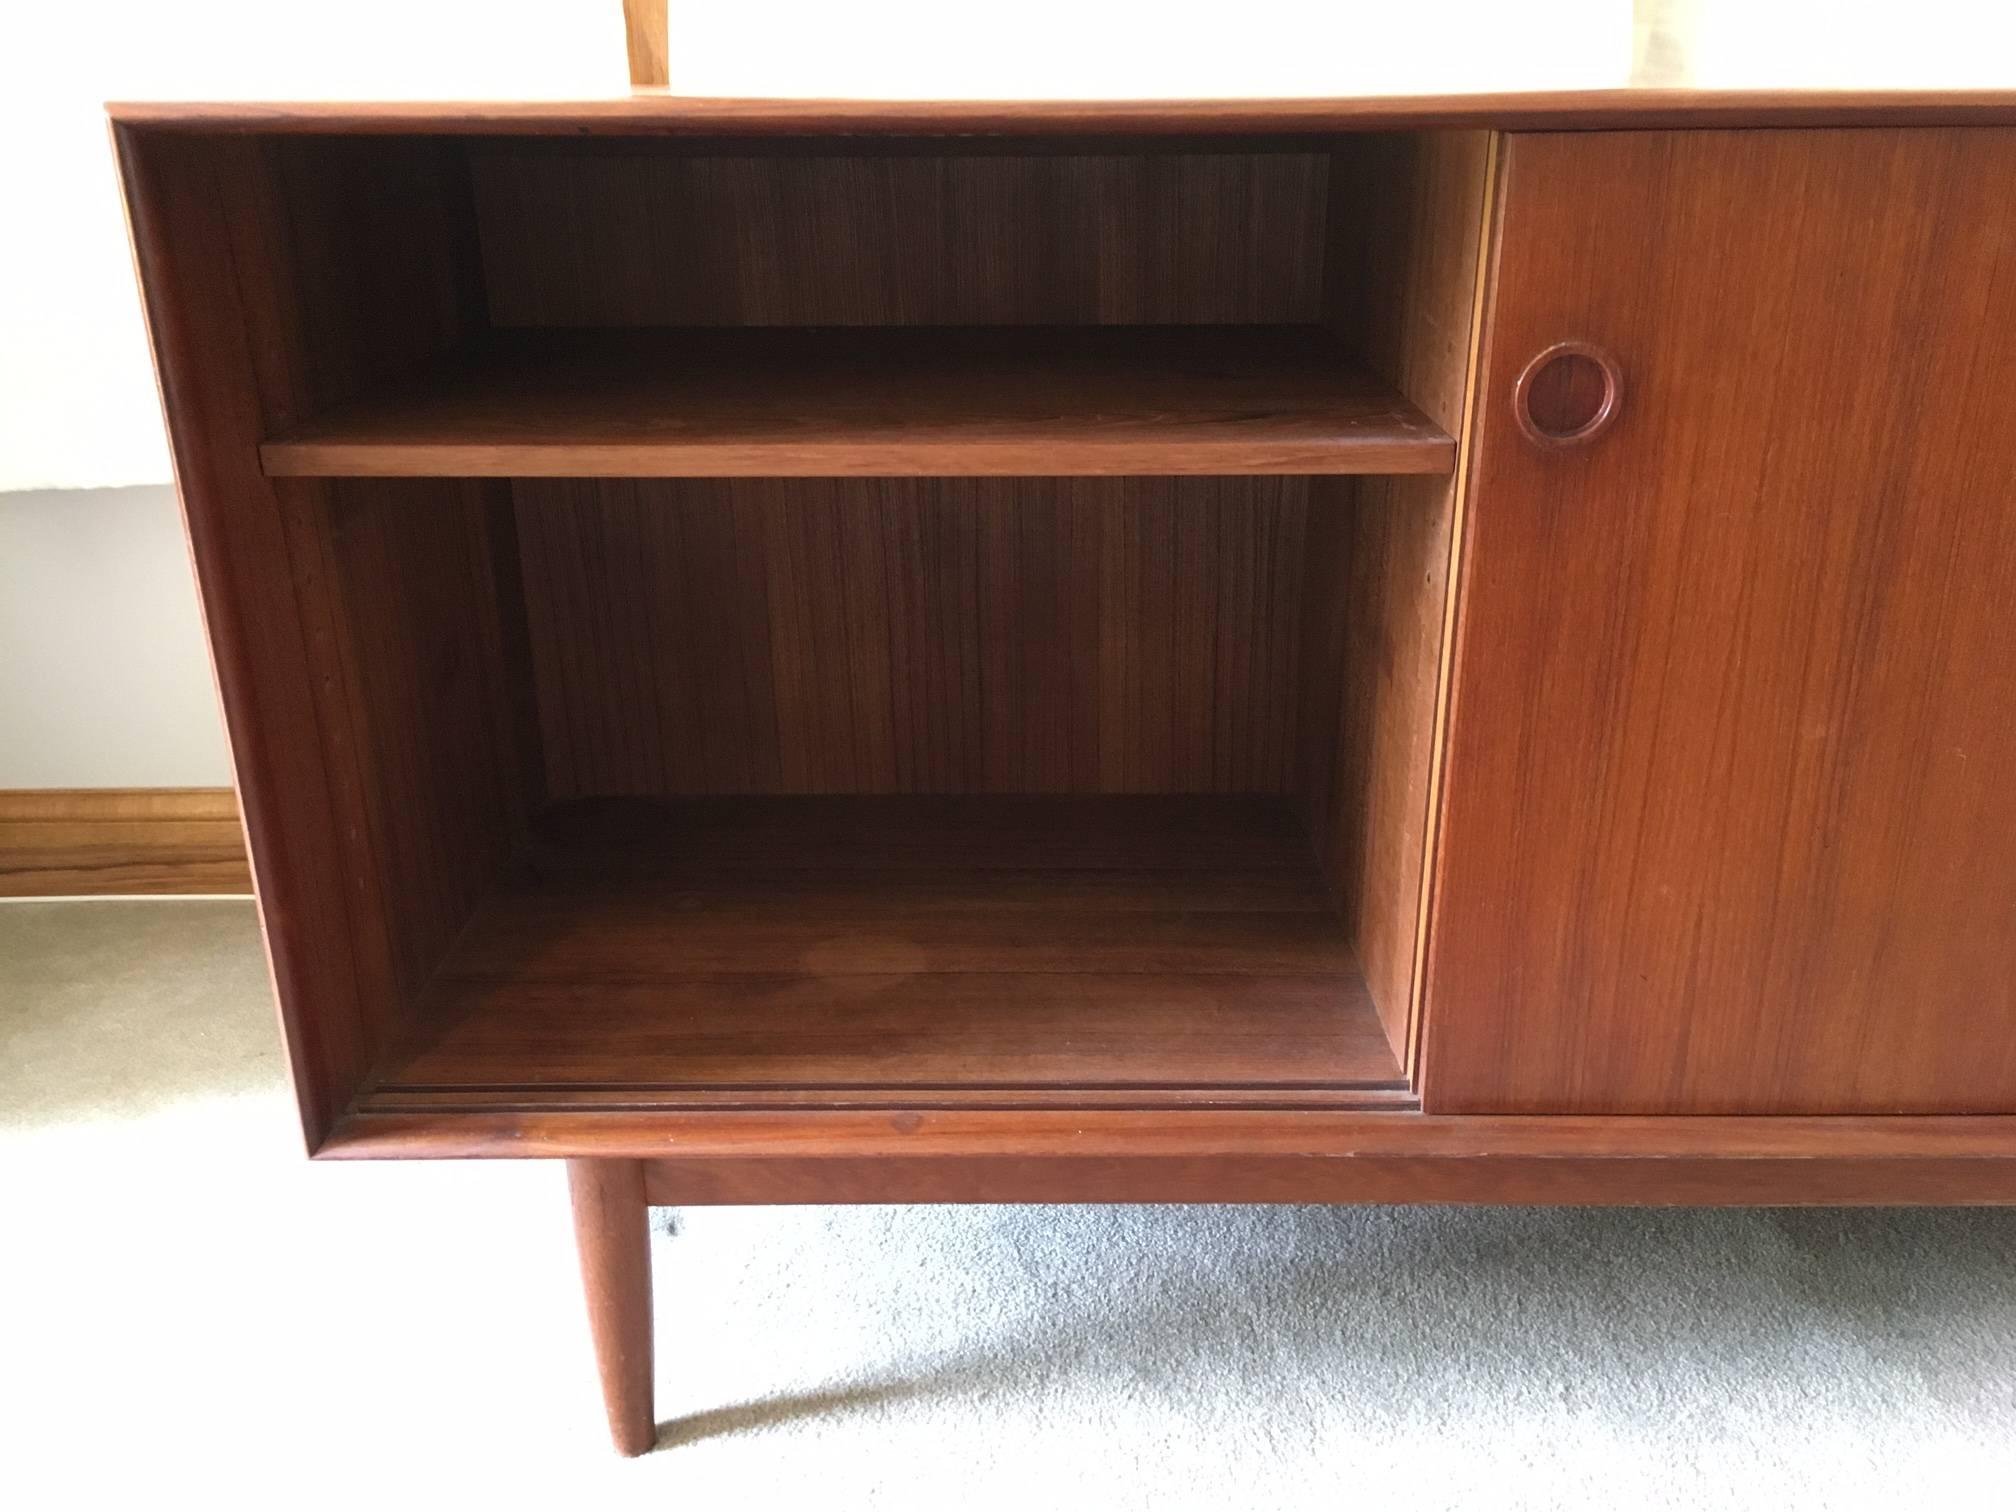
point(1729, 801)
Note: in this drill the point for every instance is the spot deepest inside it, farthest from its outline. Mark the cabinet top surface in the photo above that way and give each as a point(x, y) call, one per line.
point(657, 113)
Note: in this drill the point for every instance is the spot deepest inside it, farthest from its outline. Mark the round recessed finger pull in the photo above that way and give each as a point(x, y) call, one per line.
point(1568, 395)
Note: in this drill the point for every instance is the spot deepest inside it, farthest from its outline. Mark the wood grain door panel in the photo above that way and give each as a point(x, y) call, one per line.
point(1730, 807)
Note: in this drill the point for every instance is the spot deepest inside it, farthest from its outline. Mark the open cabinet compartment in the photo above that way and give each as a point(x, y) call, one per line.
point(832, 623)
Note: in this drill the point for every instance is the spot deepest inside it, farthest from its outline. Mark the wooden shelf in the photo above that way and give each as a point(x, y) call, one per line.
point(903, 952)
point(878, 401)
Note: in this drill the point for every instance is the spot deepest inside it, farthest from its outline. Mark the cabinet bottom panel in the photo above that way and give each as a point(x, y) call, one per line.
point(901, 952)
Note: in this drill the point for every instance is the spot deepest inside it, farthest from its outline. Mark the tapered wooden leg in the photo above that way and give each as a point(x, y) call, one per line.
point(612, 1228)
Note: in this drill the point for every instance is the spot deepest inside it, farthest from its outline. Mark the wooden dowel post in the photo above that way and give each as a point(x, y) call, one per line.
point(645, 34)
point(612, 1230)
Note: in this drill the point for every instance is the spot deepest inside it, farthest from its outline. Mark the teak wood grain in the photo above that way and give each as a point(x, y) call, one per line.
point(1041, 947)
point(413, 667)
point(612, 1231)
point(1729, 822)
point(1402, 288)
point(838, 402)
point(413, 661)
point(1515, 108)
point(1726, 1178)
point(1191, 1134)
point(914, 636)
point(625, 234)
point(376, 805)
point(1093, 1155)
point(198, 321)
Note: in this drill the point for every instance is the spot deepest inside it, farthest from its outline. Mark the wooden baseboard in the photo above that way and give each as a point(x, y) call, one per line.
point(69, 842)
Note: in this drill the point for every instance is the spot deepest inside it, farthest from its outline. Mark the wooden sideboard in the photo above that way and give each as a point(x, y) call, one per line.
point(1440, 649)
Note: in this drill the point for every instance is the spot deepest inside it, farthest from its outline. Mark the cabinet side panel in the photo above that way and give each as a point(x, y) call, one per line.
point(590, 236)
point(1406, 230)
point(330, 1007)
point(408, 639)
point(270, 290)
point(1730, 824)
point(967, 635)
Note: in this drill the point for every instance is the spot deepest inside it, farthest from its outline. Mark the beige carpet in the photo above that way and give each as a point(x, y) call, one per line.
point(194, 1315)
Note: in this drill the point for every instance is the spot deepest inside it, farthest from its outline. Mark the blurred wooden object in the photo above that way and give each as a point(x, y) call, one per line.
point(644, 33)
point(1665, 42)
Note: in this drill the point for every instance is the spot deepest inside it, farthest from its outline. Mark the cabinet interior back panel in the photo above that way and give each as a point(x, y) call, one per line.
point(601, 237)
point(914, 635)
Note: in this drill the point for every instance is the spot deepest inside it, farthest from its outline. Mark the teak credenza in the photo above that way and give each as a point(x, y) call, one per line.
point(1408, 650)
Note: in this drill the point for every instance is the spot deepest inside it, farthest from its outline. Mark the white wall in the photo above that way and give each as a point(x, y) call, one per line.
point(103, 678)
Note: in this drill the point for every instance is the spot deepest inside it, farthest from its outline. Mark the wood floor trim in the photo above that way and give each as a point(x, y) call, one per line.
point(97, 842)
